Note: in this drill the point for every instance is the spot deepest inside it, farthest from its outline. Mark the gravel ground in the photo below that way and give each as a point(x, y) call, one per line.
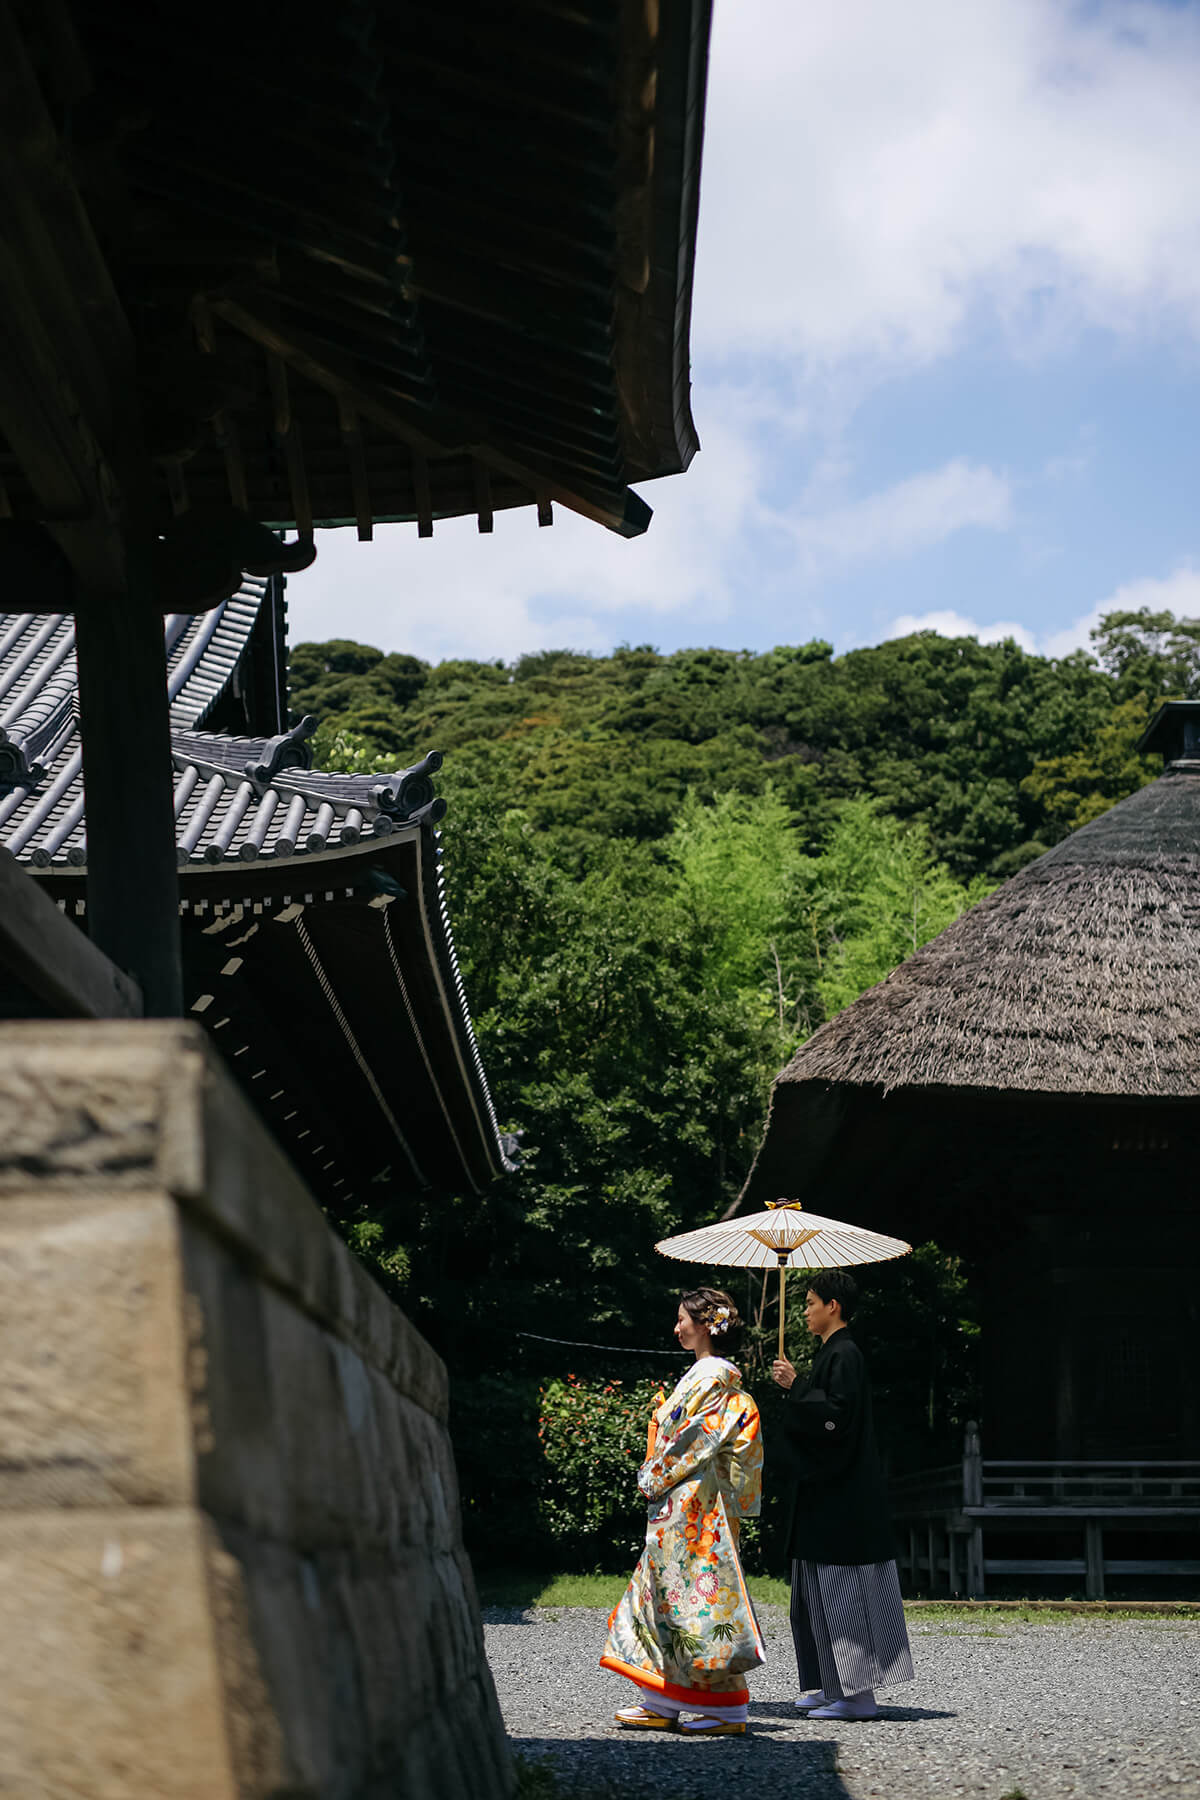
point(1090, 1709)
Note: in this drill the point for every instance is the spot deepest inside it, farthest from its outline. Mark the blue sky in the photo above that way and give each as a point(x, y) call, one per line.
point(946, 355)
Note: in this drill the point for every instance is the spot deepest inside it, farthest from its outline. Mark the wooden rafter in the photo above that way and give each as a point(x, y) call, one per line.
point(427, 438)
point(287, 430)
point(352, 440)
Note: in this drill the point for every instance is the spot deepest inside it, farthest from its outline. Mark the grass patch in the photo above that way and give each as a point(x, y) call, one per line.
point(515, 1588)
point(508, 1588)
point(979, 1615)
point(603, 1591)
point(768, 1590)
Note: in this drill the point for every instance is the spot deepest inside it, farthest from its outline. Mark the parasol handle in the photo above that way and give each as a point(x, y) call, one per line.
point(782, 1296)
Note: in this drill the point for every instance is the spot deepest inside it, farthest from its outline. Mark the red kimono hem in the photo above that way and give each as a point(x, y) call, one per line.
point(702, 1697)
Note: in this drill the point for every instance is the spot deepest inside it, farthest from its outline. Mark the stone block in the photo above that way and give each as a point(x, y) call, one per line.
point(304, 1440)
point(253, 1195)
point(83, 1106)
point(108, 1667)
point(368, 1661)
point(94, 1401)
point(230, 1545)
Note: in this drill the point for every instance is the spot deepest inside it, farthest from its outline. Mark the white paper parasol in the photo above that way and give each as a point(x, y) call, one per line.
point(784, 1237)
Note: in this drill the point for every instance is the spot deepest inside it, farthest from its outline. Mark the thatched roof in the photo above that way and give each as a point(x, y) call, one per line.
point(1078, 977)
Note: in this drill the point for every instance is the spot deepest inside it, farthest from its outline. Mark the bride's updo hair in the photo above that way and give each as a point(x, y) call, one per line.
point(714, 1309)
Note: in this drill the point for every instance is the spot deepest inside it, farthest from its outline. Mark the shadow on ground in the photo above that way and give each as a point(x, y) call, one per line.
point(785, 1711)
point(630, 1766)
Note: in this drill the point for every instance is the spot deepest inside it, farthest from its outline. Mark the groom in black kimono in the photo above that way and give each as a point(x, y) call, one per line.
point(847, 1616)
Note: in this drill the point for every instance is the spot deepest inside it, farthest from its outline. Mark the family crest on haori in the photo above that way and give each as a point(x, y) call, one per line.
point(685, 1630)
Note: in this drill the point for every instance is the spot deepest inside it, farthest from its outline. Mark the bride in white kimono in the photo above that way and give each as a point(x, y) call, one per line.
point(685, 1630)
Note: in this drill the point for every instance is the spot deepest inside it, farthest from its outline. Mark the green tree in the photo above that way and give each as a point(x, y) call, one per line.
point(664, 872)
point(738, 864)
point(1152, 654)
point(872, 898)
point(1073, 789)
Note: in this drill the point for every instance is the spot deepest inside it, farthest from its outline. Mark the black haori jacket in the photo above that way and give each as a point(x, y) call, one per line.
point(838, 1510)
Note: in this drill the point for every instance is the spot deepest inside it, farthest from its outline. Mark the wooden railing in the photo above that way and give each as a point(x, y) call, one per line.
point(944, 1514)
point(1125, 1485)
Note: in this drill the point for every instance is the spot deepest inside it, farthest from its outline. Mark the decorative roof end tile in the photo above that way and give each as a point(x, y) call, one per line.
point(410, 791)
point(290, 750)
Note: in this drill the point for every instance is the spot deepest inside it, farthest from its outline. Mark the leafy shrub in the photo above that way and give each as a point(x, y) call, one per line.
point(593, 1440)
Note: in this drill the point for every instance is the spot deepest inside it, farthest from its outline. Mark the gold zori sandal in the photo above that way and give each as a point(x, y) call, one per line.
point(640, 1718)
point(710, 1727)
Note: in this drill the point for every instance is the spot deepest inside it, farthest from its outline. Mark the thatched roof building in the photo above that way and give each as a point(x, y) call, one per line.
point(1078, 978)
point(1025, 1090)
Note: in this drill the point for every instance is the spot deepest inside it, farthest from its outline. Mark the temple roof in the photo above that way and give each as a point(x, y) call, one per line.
point(317, 944)
point(433, 260)
point(236, 798)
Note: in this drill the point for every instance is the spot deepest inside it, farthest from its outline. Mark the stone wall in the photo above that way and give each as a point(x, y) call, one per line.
point(230, 1553)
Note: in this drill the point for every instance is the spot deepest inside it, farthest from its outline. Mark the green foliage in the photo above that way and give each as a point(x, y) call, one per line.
point(1071, 790)
point(349, 752)
point(390, 1262)
point(1150, 653)
point(872, 898)
point(941, 731)
point(665, 872)
point(494, 1422)
point(593, 1438)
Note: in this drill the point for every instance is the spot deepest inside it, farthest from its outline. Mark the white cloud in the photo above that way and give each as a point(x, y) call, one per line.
point(577, 586)
point(1178, 593)
point(953, 624)
point(574, 586)
point(876, 178)
point(911, 515)
point(874, 171)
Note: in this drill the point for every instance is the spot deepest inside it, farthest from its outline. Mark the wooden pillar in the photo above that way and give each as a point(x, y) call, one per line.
point(1094, 1557)
point(975, 1570)
point(951, 1562)
point(973, 1497)
point(132, 883)
point(972, 1466)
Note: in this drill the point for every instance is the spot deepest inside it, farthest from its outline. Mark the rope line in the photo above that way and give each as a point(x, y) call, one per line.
point(612, 1349)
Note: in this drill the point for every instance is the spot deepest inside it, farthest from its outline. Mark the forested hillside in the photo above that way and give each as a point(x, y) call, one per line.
point(664, 872)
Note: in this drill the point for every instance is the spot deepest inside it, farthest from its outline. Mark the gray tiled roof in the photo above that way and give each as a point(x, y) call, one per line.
point(325, 978)
point(236, 799)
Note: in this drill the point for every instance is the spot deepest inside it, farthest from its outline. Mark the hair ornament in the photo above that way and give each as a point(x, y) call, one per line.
point(718, 1321)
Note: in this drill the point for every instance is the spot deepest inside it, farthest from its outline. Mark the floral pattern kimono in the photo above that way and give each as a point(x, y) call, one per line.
point(685, 1627)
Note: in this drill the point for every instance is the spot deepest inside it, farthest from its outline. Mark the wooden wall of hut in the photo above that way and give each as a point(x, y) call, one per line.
point(1079, 1221)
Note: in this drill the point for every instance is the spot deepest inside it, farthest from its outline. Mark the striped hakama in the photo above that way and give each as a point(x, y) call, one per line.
point(848, 1627)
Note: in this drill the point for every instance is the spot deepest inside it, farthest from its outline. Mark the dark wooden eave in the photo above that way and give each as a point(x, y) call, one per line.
point(394, 261)
point(433, 260)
